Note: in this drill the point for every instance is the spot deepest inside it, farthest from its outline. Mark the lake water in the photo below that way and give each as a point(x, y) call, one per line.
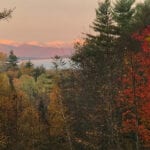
point(48, 63)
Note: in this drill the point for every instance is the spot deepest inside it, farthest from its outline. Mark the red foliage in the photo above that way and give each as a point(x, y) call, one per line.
point(134, 99)
point(144, 38)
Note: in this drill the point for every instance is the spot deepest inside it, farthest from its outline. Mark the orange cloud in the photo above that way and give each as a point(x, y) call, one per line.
point(9, 42)
point(81, 41)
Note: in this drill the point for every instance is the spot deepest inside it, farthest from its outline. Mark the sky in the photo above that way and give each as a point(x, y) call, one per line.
point(45, 24)
point(47, 20)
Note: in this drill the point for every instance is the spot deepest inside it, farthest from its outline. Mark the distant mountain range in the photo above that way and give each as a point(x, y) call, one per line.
point(33, 51)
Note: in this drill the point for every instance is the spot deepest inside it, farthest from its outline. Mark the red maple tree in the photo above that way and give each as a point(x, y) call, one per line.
point(134, 98)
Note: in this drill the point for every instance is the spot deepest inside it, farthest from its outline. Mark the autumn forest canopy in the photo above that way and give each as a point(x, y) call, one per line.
point(101, 103)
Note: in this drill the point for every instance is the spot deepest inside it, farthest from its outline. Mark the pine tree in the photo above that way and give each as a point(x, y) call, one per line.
point(12, 60)
point(142, 16)
point(97, 57)
point(123, 16)
point(123, 12)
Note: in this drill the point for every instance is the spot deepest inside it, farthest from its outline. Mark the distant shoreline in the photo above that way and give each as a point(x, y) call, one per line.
point(47, 63)
point(39, 58)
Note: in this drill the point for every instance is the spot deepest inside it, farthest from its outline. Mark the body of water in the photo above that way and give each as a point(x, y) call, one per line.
point(49, 63)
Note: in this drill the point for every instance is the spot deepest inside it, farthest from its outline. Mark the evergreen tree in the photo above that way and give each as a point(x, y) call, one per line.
point(12, 60)
point(142, 16)
point(97, 57)
point(38, 71)
point(123, 14)
point(103, 25)
point(29, 64)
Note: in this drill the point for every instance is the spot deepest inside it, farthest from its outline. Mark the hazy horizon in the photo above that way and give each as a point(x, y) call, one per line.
point(45, 24)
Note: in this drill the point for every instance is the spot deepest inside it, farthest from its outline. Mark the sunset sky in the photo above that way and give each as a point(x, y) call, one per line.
point(46, 23)
point(47, 20)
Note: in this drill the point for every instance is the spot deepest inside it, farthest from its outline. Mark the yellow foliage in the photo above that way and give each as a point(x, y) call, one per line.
point(2, 56)
point(55, 113)
point(4, 84)
point(24, 70)
point(3, 140)
point(148, 39)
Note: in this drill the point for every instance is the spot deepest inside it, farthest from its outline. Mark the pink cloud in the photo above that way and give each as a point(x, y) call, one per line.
point(38, 49)
point(34, 43)
point(58, 44)
point(55, 44)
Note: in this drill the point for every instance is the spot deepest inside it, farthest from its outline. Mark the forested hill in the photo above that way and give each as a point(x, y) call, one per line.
point(101, 103)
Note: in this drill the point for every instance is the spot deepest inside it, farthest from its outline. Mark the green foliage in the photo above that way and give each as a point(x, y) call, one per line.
point(29, 64)
point(27, 85)
point(38, 71)
point(44, 84)
point(101, 60)
point(12, 60)
point(123, 12)
point(123, 16)
point(142, 16)
point(104, 28)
